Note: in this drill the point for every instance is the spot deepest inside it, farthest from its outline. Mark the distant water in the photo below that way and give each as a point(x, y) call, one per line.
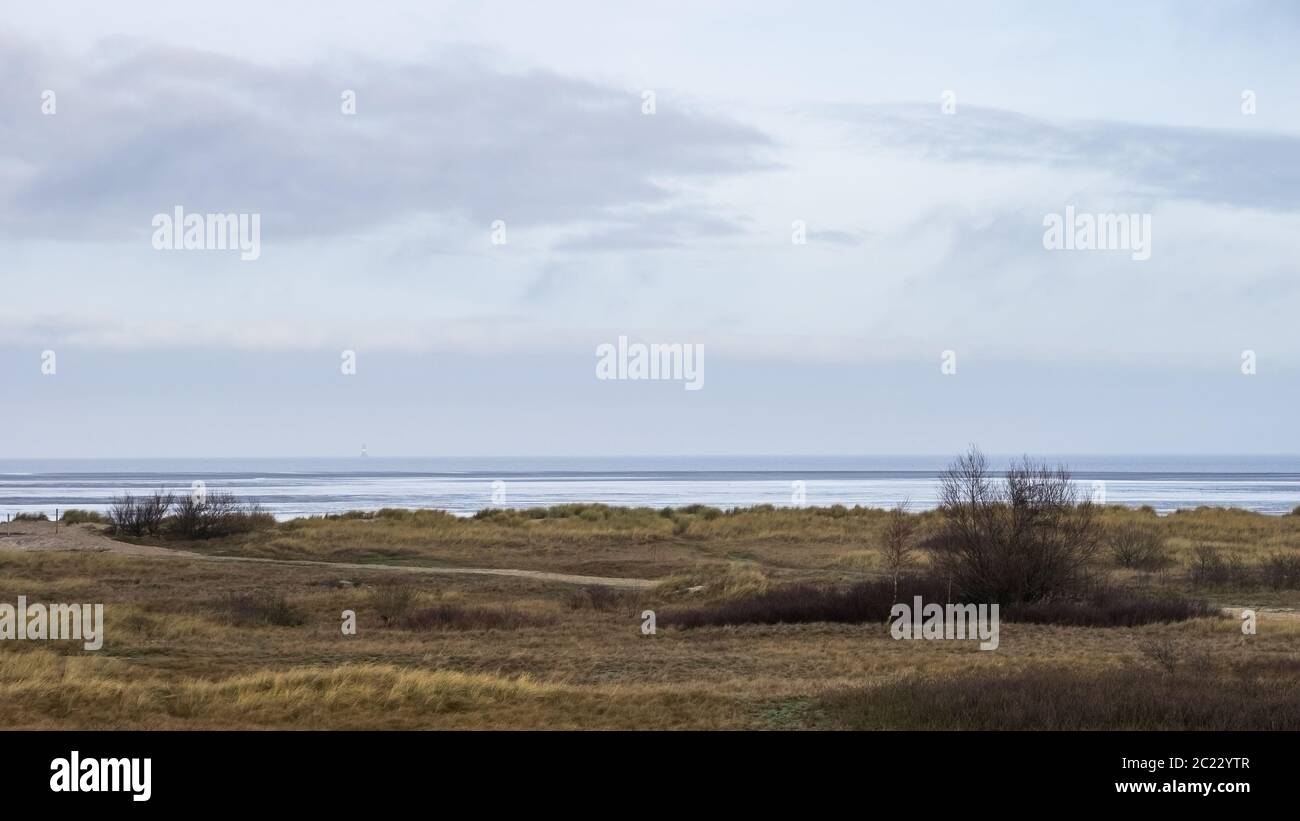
point(300, 487)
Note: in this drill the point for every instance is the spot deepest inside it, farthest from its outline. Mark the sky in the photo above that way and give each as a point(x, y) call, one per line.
point(842, 204)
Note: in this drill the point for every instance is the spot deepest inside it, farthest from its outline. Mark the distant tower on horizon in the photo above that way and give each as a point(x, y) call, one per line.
point(363, 451)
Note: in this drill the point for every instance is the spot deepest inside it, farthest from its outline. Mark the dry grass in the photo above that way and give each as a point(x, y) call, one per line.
point(733, 580)
point(645, 543)
point(583, 539)
point(1260, 697)
point(173, 656)
point(87, 692)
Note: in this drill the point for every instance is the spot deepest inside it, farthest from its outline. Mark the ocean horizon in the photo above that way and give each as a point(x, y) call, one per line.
point(292, 487)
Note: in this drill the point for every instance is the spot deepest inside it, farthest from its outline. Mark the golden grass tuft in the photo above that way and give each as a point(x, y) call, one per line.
point(104, 692)
point(173, 659)
point(714, 581)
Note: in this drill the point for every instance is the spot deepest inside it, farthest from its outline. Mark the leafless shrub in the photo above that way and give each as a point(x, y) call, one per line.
point(215, 515)
point(1211, 568)
point(1140, 547)
point(1028, 536)
point(153, 509)
point(222, 514)
point(596, 597)
point(392, 602)
point(262, 608)
point(121, 515)
point(1281, 571)
point(139, 515)
point(187, 518)
point(898, 543)
point(1163, 653)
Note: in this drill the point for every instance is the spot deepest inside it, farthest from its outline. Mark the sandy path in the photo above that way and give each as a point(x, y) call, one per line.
point(35, 536)
point(540, 575)
point(1234, 610)
point(41, 536)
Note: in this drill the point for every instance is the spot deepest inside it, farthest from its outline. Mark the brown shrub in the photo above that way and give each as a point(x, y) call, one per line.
point(457, 617)
point(597, 597)
point(1140, 547)
point(1024, 536)
point(803, 603)
point(262, 608)
point(1281, 571)
point(1110, 607)
point(872, 601)
point(1066, 699)
point(393, 602)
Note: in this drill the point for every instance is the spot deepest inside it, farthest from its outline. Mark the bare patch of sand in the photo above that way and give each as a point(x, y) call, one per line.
point(34, 536)
point(43, 536)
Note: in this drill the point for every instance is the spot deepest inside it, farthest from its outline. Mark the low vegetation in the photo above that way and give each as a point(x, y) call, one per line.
point(1137, 546)
point(867, 602)
point(839, 544)
point(462, 617)
point(804, 603)
point(392, 602)
point(197, 516)
point(82, 517)
point(1112, 607)
point(1213, 569)
point(262, 609)
point(594, 597)
point(1260, 697)
point(1026, 536)
point(766, 617)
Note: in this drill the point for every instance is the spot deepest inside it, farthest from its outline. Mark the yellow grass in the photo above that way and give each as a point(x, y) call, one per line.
point(596, 540)
point(173, 658)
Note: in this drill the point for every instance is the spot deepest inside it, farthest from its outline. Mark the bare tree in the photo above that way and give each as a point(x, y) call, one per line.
point(138, 516)
point(187, 517)
point(214, 515)
point(221, 513)
point(898, 542)
point(153, 509)
point(1027, 536)
point(1137, 546)
point(121, 515)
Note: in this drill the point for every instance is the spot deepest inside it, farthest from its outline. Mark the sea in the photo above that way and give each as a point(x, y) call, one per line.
point(294, 487)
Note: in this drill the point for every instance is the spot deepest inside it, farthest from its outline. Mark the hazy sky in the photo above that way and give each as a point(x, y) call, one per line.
point(924, 227)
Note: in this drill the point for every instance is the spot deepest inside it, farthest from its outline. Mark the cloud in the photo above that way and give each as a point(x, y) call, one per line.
point(140, 128)
point(647, 229)
point(832, 236)
point(1237, 168)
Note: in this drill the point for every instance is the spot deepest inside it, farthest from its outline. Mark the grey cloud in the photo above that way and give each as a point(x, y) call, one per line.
point(655, 229)
point(141, 128)
point(837, 237)
point(1223, 167)
point(680, 226)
